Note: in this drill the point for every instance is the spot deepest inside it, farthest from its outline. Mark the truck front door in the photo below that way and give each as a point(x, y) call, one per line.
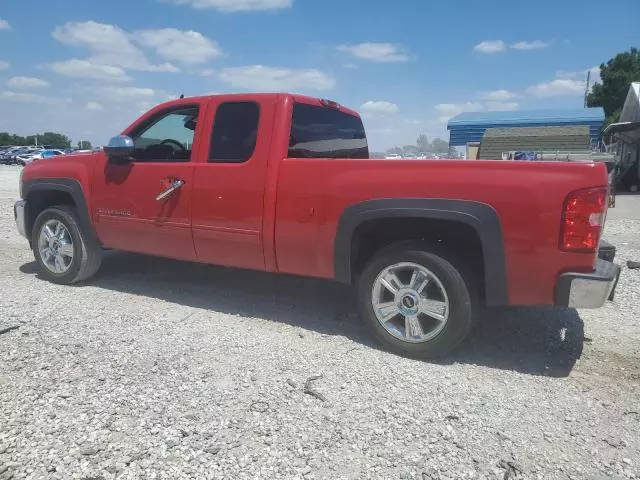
point(144, 205)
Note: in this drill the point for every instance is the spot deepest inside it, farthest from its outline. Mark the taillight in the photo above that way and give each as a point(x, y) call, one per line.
point(583, 219)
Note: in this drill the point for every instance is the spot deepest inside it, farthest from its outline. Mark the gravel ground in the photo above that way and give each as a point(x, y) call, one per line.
point(167, 370)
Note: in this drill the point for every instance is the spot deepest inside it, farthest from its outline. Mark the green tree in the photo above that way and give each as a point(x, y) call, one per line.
point(440, 146)
point(616, 76)
point(9, 139)
point(56, 140)
point(85, 145)
point(409, 150)
point(422, 142)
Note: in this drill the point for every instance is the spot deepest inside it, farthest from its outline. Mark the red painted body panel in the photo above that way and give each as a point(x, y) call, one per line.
point(277, 214)
point(528, 197)
point(228, 198)
point(125, 213)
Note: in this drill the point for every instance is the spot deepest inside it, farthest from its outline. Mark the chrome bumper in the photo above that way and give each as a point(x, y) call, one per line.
point(588, 290)
point(19, 210)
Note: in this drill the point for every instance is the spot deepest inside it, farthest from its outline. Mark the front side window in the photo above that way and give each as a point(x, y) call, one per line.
point(324, 132)
point(235, 132)
point(168, 138)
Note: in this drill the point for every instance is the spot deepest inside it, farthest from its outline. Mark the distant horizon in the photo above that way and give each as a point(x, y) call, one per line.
point(84, 70)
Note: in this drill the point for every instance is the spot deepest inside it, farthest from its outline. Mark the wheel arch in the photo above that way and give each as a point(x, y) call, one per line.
point(479, 217)
point(44, 193)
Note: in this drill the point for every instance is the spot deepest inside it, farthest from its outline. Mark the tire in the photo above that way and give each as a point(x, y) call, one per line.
point(446, 286)
point(87, 252)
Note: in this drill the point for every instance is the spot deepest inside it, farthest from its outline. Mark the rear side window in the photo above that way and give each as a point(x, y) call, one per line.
point(323, 132)
point(235, 132)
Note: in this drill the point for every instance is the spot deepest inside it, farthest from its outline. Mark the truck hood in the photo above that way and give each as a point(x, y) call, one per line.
point(78, 166)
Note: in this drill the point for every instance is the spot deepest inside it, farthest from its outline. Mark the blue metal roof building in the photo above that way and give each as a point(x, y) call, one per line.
point(469, 127)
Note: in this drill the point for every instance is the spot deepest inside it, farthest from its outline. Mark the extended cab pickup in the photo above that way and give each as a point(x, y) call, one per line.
point(283, 183)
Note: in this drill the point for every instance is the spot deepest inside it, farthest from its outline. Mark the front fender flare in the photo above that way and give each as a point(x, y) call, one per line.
point(67, 185)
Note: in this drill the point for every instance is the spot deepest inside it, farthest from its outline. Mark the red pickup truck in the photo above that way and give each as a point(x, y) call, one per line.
point(284, 183)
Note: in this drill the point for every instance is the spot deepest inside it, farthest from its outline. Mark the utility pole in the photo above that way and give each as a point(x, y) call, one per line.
point(588, 86)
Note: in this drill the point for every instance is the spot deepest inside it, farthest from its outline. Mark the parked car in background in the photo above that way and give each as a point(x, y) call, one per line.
point(27, 156)
point(52, 153)
point(21, 155)
point(11, 157)
point(6, 154)
point(393, 156)
point(38, 155)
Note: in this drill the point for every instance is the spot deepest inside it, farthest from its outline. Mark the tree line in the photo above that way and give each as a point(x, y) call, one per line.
point(52, 139)
point(422, 145)
point(615, 77)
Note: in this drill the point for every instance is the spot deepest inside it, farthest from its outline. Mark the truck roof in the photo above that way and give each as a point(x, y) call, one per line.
point(257, 96)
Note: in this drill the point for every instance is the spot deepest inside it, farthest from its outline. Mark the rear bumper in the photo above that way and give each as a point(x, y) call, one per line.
point(588, 290)
point(19, 210)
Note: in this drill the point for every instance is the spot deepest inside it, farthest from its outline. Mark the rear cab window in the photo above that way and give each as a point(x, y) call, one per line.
point(235, 132)
point(326, 132)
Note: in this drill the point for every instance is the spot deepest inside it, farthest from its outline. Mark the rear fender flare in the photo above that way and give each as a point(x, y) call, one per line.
point(481, 217)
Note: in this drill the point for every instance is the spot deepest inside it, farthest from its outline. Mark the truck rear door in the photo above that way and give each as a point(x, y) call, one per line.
point(229, 182)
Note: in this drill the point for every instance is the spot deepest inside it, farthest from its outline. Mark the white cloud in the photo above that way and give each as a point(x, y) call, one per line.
point(208, 72)
point(4, 25)
point(107, 45)
point(502, 106)
point(377, 52)
point(499, 95)
point(595, 73)
point(533, 45)
point(94, 106)
point(32, 98)
point(27, 82)
point(183, 46)
point(490, 46)
point(4, 65)
point(86, 69)
point(456, 108)
point(448, 110)
point(162, 67)
point(129, 93)
point(379, 107)
point(260, 77)
point(558, 87)
point(235, 5)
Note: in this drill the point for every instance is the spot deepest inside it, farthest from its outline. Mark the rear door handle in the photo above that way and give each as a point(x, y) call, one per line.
point(175, 185)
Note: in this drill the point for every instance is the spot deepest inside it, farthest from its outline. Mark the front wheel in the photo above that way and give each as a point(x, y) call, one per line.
point(415, 301)
point(66, 254)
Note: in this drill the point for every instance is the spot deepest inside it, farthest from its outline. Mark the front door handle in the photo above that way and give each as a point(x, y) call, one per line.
point(175, 185)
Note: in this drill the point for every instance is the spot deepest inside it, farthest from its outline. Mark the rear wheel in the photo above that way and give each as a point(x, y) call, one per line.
point(415, 301)
point(66, 254)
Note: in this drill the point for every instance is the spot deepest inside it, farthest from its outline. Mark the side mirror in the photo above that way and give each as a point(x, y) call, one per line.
point(120, 149)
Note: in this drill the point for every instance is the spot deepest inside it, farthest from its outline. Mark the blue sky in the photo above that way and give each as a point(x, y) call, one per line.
point(89, 68)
